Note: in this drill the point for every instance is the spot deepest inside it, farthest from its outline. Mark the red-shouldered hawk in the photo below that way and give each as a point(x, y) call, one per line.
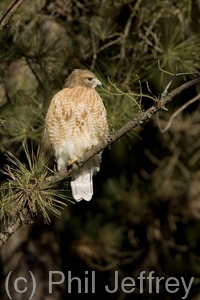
point(76, 120)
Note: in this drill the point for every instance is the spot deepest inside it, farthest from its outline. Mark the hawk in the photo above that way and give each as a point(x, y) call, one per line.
point(76, 120)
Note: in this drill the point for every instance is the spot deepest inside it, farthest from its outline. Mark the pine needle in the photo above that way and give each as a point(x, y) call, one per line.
point(27, 187)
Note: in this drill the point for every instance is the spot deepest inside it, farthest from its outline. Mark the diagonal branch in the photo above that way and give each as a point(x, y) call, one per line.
point(8, 14)
point(160, 104)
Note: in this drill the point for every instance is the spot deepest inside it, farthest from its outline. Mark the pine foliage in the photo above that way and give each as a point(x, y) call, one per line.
point(28, 186)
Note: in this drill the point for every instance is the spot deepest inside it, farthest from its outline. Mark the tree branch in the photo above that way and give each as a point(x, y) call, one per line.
point(159, 104)
point(8, 14)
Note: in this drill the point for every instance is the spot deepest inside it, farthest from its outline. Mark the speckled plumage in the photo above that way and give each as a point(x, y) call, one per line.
point(76, 121)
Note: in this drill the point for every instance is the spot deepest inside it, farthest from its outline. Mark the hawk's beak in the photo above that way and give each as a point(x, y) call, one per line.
point(98, 82)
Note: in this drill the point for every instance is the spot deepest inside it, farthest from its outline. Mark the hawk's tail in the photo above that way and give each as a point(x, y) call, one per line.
point(82, 183)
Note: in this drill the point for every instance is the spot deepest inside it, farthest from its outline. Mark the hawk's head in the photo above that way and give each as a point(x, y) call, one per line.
point(82, 77)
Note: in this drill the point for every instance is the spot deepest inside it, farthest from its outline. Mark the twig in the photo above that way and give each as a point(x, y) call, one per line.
point(174, 77)
point(94, 48)
point(127, 28)
point(9, 13)
point(197, 97)
point(117, 40)
point(19, 220)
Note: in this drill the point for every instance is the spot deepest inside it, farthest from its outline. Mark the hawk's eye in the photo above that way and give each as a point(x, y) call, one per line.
point(90, 78)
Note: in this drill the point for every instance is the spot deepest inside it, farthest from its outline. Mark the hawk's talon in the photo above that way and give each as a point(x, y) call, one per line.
point(71, 161)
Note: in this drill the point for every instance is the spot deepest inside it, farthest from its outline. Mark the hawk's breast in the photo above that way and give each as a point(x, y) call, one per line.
point(76, 120)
